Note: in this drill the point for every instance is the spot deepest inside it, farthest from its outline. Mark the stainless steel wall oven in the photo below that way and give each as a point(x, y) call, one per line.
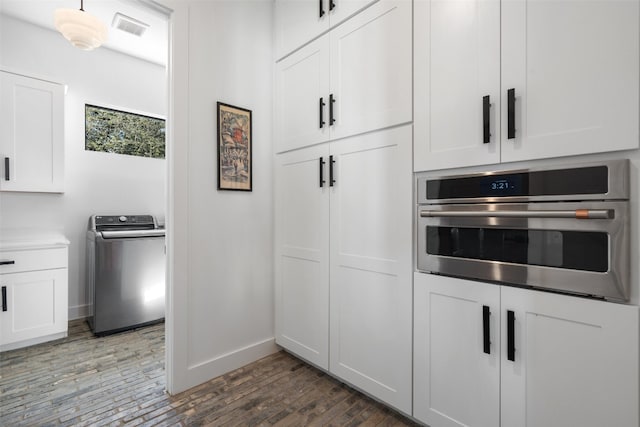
point(565, 229)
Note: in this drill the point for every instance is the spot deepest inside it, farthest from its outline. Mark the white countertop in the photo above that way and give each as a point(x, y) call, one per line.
point(18, 239)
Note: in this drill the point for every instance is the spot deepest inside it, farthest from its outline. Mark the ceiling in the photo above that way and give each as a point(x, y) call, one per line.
point(151, 46)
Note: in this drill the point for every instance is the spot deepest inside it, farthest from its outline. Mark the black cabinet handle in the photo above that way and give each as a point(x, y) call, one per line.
point(486, 332)
point(331, 163)
point(321, 8)
point(322, 104)
point(332, 5)
point(322, 162)
point(332, 100)
point(7, 175)
point(511, 346)
point(486, 120)
point(7, 262)
point(511, 114)
point(4, 298)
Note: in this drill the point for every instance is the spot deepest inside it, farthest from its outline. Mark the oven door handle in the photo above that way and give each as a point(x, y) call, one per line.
point(575, 214)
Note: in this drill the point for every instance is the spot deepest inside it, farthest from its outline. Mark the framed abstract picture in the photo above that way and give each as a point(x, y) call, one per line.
point(234, 148)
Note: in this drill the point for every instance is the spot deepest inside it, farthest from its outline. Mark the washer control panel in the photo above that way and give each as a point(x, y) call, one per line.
point(115, 222)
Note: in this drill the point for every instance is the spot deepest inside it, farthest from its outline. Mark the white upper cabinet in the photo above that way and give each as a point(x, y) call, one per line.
point(573, 66)
point(561, 79)
point(457, 65)
point(371, 69)
point(31, 134)
point(302, 88)
point(299, 21)
point(355, 79)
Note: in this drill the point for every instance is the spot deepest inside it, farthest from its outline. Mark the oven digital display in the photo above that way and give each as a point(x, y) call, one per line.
point(501, 185)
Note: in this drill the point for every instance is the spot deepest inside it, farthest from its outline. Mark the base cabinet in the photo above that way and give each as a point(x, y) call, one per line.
point(456, 383)
point(573, 362)
point(34, 297)
point(343, 260)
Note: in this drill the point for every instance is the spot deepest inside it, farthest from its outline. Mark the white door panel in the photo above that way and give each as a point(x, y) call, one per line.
point(456, 64)
point(455, 382)
point(302, 255)
point(297, 22)
point(371, 264)
point(371, 69)
point(576, 361)
point(301, 80)
point(574, 67)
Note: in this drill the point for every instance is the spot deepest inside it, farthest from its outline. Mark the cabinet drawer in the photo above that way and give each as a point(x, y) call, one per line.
point(35, 259)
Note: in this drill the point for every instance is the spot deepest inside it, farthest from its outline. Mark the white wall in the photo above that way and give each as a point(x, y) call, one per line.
point(220, 242)
point(95, 183)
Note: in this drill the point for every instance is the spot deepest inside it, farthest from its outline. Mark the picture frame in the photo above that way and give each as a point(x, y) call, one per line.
point(235, 148)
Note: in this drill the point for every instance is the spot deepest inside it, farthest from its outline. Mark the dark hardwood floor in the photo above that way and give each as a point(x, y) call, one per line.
point(119, 380)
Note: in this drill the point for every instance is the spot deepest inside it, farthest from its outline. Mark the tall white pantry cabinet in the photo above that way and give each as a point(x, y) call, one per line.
point(343, 199)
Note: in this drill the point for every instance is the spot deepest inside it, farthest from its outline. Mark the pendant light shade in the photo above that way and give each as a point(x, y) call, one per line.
point(83, 30)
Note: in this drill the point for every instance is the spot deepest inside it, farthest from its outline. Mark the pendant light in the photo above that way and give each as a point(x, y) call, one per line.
point(83, 30)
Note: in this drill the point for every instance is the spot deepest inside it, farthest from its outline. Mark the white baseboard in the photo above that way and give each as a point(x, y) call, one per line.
point(220, 365)
point(32, 341)
point(79, 311)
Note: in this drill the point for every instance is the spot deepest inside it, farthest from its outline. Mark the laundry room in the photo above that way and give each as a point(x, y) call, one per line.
point(131, 82)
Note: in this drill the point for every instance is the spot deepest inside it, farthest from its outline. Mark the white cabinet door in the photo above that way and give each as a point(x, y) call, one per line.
point(302, 254)
point(36, 304)
point(371, 69)
point(455, 382)
point(456, 64)
point(576, 362)
point(371, 264)
point(31, 134)
point(297, 22)
point(574, 68)
point(302, 86)
point(343, 9)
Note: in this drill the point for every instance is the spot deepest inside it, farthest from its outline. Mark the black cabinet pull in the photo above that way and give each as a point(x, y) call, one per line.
point(331, 163)
point(7, 175)
point(4, 298)
point(321, 8)
point(486, 332)
point(511, 346)
point(511, 113)
point(322, 104)
point(486, 120)
point(322, 162)
point(332, 100)
point(332, 5)
point(7, 262)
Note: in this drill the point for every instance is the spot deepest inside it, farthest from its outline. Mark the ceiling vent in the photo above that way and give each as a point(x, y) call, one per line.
point(129, 24)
